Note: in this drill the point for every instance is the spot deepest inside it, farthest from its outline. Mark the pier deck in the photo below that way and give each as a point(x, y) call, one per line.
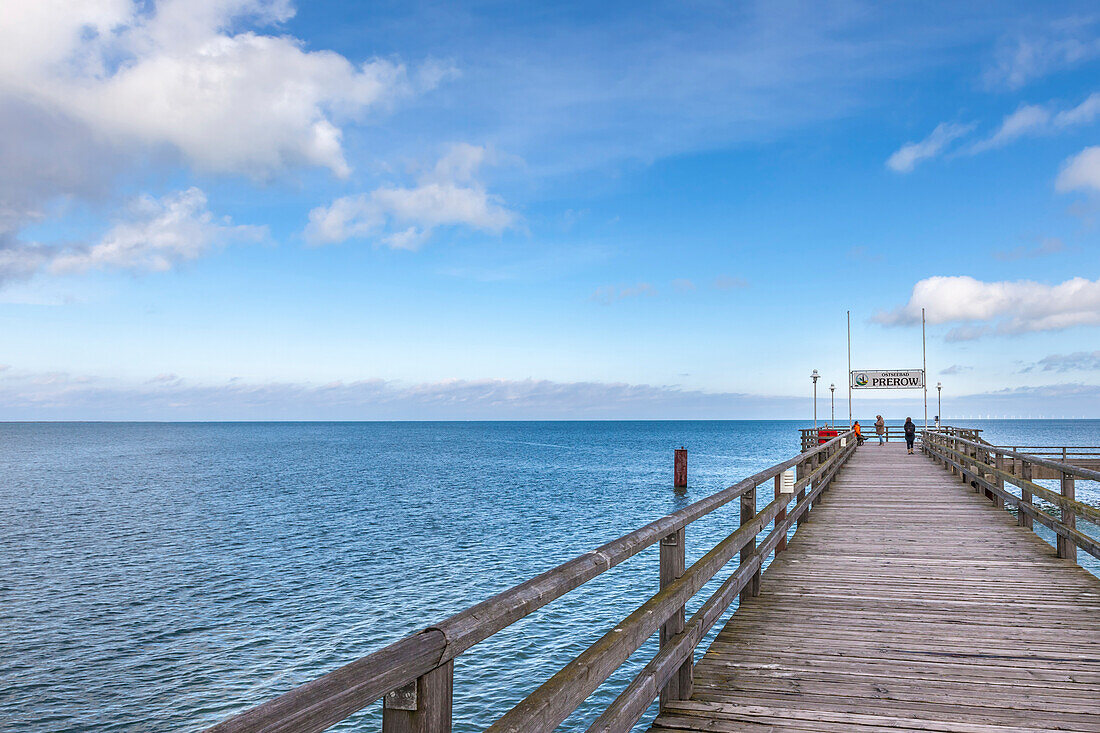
point(906, 602)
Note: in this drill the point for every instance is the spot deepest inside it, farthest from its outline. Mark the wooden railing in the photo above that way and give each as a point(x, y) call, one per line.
point(1079, 456)
point(986, 468)
point(415, 674)
point(810, 436)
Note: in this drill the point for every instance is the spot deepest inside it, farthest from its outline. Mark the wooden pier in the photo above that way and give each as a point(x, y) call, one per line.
point(908, 592)
point(907, 603)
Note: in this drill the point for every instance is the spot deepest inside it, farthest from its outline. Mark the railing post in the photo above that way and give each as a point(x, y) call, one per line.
point(1025, 519)
point(799, 474)
point(815, 463)
point(990, 459)
point(673, 553)
point(421, 706)
point(998, 480)
point(781, 516)
point(748, 511)
point(1066, 546)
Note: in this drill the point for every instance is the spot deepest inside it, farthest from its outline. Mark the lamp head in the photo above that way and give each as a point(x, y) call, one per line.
point(815, 376)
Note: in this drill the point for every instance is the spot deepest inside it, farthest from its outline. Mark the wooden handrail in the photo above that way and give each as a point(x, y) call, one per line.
point(1082, 473)
point(323, 702)
point(976, 472)
point(545, 708)
point(1053, 497)
point(632, 703)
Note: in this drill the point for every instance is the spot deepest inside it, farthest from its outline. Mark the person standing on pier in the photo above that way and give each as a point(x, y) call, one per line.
point(859, 433)
point(910, 433)
point(880, 429)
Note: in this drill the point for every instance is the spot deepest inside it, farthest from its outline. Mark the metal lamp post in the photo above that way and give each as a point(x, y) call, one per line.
point(832, 404)
point(815, 376)
point(939, 403)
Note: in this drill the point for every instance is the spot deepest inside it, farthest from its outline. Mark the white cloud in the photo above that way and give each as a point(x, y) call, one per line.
point(908, 155)
point(1014, 307)
point(404, 218)
point(1085, 113)
point(1082, 171)
point(161, 234)
point(1065, 44)
point(175, 75)
point(157, 235)
point(89, 89)
point(1028, 119)
point(1031, 119)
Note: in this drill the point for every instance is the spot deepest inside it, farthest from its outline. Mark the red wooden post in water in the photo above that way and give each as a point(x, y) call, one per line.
point(680, 478)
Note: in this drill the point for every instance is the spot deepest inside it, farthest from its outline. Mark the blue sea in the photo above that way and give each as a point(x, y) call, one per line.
point(163, 576)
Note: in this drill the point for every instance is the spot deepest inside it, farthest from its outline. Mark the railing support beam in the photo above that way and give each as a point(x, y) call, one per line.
point(673, 563)
point(423, 705)
point(748, 511)
point(1025, 495)
point(781, 517)
point(1066, 548)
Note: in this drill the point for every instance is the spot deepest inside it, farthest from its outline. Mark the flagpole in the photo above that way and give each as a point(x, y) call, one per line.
point(924, 365)
point(849, 370)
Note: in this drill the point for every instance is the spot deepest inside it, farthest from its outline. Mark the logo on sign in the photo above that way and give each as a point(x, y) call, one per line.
point(861, 380)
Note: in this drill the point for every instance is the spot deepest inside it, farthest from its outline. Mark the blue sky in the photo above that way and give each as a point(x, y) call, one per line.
point(245, 209)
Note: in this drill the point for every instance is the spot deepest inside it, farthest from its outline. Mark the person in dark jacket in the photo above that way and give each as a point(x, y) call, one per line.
point(910, 433)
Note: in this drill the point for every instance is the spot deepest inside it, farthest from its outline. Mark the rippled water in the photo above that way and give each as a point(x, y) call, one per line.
point(159, 577)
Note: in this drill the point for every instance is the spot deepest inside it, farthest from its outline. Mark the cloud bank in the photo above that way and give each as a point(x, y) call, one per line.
point(61, 396)
point(25, 395)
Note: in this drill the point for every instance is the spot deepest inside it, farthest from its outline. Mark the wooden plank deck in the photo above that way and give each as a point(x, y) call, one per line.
point(907, 602)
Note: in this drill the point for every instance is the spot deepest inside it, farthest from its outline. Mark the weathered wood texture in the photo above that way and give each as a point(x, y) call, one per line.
point(673, 549)
point(908, 603)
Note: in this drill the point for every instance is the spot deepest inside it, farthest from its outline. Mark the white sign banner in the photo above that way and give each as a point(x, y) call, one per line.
point(876, 379)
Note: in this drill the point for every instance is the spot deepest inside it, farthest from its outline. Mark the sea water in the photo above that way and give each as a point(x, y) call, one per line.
point(161, 577)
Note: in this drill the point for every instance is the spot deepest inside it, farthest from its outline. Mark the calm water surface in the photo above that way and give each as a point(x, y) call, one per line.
point(159, 577)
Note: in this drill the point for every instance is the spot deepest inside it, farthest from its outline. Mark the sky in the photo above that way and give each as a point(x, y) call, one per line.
point(262, 209)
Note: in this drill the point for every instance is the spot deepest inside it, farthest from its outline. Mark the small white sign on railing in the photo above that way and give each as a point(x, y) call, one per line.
point(786, 483)
point(881, 379)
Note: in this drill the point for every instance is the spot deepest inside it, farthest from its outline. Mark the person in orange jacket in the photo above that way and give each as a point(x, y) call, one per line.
point(859, 433)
